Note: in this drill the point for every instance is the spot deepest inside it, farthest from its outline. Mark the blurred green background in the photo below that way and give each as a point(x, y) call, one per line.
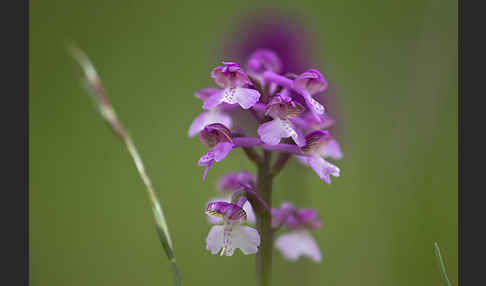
point(395, 64)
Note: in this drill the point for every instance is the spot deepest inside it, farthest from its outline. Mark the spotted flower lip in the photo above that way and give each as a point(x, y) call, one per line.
point(230, 212)
point(215, 133)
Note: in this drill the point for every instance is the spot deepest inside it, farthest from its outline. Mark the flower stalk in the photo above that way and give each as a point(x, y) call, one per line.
point(264, 222)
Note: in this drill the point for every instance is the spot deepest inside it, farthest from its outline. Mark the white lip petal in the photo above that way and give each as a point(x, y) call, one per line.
point(298, 243)
point(246, 239)
point(229, 237)
point(214, 241)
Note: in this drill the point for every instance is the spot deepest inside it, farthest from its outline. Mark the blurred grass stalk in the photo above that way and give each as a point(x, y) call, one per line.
point(109, 115)
point(440, 262)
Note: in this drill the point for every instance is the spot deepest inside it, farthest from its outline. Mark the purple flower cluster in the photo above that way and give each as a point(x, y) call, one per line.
point(290, 121)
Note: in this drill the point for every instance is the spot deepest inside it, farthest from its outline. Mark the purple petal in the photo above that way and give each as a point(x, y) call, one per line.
point(216, 219)
point(221, 150)
point(315, 142)
point(283, 107)
point(204, 93)
point(233, 181)
point(273, 131)
point(229, 75)
point(307, 122)
point(246, 97)
point(311, 81)
point(279, 216)
point(206, 170)
point(206, 118)
point(321, 167)
point(250, 214)
point(332, 150)
point(213, 101)
point(262, 60)
point(230, 212)
point(213, 134)
point(308, 218)
point(218, 153)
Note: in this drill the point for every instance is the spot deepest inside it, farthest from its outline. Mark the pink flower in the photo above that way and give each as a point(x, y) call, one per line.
point(298, 240)
point(218, 137)
point(224, 239)
point(320, 144)
point(233, 81)
point(281, 108)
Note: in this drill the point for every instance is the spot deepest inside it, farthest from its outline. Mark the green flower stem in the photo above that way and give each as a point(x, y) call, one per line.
point(264, 223)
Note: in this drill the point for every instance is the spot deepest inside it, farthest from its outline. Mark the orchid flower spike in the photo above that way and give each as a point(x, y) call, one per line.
point(233, 81)
point(297, 241)
point(224, 239)
point(320, 144)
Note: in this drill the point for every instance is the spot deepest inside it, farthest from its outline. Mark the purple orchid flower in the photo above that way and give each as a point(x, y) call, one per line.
point(308, 123)
point(232, 182)
point(320, 144)
point(281, 108)
point(298, 240)
point(250, 214)
point(224, 239)
point(218, 137)
point(264, 60)
point(306, 84)
point(233, 80)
